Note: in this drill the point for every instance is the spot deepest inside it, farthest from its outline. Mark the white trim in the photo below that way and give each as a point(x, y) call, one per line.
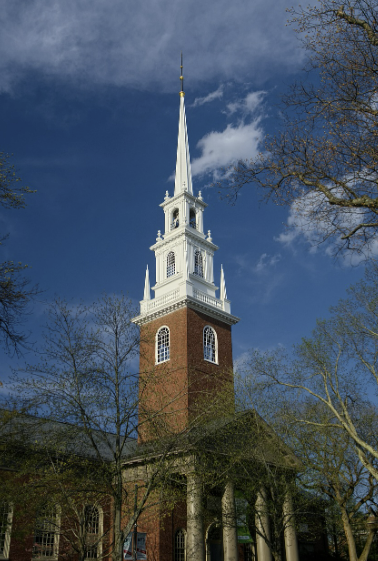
point(157, 361)
point(190, 233)
point(171, 265)
point(174, 542)
point(56, 524)
point(100, 530)
point(182, 303)
point(215, 344)
point(198, 263)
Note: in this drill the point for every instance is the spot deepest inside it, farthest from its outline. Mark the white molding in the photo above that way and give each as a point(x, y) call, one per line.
point(216, 345)
point(174, 542)
point(187, 231)
point(189, 303)
point(189, 196)
point(156, 345)
point(100, 531)
point(56, 539)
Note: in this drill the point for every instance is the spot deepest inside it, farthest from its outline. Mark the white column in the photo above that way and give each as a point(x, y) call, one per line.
point(291, 546)
point(158, 258)
point(190, 258)
point(185, 265)
point(211, 268)
point(230, 541)
point(195, 543)
point(163, 267)
point(262, 525)
point(205, 263)
point(200, 221)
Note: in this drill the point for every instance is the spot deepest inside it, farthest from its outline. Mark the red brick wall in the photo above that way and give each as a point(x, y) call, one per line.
point(186, 382)
point(22, 533)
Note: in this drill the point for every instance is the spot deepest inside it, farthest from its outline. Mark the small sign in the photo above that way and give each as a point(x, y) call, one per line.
point(141, 547)
point(127, 548)
point(244, 535)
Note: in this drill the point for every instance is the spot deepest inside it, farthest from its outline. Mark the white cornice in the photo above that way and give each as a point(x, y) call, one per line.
point(170, 280)
point(189, 303)
point(187, 232)
point(184, 194)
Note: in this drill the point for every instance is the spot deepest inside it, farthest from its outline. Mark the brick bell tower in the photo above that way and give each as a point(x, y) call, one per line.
point(185, 329)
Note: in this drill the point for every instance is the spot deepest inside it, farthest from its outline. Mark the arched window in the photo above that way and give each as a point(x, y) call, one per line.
point(198, 263)
point(180, 545)
point(210, 350)
point(171, 264)
point(214, 542)
point(6, 513)
point(192, 218)
point(46, 533)
point(175, 218)
point(162, 344)
point(92, 526)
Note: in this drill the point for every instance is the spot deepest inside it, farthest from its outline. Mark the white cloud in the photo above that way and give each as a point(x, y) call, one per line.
point(217, 94)
point(220, 149)
point(262, 265)
point(138, 44)
point(313, 220)
point(251, 103)
point(267, 261)
point(263, 277)
point(240, 141)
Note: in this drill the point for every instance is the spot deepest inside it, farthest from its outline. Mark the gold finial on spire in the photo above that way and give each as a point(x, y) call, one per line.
point(182, 93)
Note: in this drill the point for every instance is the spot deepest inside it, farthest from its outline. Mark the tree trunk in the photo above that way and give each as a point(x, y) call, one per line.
point(365, 553)
point(349, 536)
point(117, 549)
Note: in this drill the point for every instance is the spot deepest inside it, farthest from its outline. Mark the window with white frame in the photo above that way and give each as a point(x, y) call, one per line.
point(210, 347)
point(162, 344)
point(180, 545)
point(46, 533)
point(93, 525)
point(6, 513)
point(171, 264)
point(198, 263)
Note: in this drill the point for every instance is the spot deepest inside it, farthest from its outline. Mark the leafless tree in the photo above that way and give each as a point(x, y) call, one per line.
point(324, 162)
point(15, 289)
point(85, 390)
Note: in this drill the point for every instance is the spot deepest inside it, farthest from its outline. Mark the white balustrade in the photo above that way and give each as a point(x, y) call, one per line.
point(157, 302)
point(203, 297)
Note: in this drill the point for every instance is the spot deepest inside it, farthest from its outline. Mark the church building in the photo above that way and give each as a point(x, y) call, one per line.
point(185, 364)
point(186, 398)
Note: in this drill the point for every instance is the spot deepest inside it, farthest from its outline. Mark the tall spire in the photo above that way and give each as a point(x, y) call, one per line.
point(223, 292)
point(147, 290)
point(183, 178)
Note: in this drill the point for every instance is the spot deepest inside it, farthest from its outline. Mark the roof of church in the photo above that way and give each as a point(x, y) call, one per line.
point(26, 430)
point(244, 433)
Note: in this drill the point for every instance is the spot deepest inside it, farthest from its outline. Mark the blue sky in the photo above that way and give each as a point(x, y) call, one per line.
point(89, 108)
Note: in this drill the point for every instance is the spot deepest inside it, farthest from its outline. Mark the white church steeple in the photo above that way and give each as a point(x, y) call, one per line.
point(184, 253)
point(183, 177)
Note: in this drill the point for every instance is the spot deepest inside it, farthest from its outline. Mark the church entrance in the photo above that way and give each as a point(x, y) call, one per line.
point(214, 543)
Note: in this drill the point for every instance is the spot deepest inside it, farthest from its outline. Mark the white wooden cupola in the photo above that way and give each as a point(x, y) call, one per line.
point(184, 252)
